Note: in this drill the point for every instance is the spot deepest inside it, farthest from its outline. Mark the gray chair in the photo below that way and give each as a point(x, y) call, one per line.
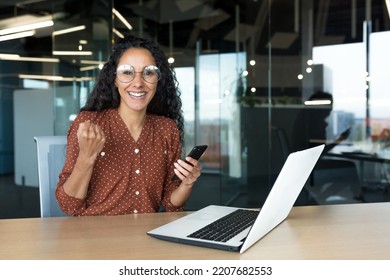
point(51, 151)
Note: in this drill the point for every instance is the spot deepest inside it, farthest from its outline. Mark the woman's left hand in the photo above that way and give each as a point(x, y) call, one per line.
point(189, 171)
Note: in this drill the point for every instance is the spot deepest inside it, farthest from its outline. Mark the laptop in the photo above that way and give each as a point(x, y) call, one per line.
point(199, 228)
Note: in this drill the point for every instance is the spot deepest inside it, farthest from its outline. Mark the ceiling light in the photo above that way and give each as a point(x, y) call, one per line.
point(318, 102)
point(26, 27)
point(17, 35)
point(69, 30)
point(122, 19)
point(54, 78)
point(88, 68)
point(5, 56)
point(72, 53)
point(115, 31)
point(388, 6)
point(16, 57)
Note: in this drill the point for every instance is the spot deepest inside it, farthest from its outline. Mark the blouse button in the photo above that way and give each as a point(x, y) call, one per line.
point(137, 193)
point(135, 211)
point(136, 151)
point(137, 171)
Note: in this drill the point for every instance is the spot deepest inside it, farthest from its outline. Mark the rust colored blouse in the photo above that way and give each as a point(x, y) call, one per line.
point(128, 176)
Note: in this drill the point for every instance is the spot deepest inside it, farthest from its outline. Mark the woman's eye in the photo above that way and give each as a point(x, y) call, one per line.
point(128, 73)
point(150, 73)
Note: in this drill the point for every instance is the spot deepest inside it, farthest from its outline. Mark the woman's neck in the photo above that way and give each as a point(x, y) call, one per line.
point(134, 122)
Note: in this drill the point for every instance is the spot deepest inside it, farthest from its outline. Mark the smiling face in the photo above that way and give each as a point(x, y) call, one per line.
point(137, 94)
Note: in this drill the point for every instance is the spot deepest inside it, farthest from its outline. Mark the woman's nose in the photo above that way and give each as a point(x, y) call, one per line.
point(138, 78)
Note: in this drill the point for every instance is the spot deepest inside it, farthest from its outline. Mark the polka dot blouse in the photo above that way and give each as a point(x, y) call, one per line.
point(128, 176)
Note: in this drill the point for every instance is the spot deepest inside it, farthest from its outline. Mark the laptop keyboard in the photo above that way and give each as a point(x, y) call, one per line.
point(228, 226)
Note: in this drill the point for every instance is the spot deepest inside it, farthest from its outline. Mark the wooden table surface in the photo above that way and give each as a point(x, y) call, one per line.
point(350, 231)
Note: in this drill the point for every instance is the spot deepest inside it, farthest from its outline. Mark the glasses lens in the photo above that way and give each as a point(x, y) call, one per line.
point(125, 73)
point(151, 74)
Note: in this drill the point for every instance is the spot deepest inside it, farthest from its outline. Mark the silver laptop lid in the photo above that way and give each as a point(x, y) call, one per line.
point(284, 193)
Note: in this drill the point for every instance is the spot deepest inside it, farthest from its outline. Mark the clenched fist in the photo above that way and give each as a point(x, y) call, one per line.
point(91, 139)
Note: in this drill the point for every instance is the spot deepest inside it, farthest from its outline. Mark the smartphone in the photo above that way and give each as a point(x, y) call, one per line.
point(195, 153)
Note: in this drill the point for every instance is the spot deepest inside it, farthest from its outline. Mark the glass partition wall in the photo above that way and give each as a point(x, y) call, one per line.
point(258, 80)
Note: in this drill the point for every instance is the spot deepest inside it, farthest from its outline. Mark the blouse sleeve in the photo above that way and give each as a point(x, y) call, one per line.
point(68, 204)
point(175, 153)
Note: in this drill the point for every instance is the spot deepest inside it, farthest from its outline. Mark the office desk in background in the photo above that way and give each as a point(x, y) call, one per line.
point(349, 231)
point(373, 168)
point(360, 156)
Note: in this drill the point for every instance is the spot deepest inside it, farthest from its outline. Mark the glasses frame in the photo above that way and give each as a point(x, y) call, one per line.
point(131, 68)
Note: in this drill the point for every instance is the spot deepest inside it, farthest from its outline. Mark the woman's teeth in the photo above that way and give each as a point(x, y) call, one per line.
point(137, 94)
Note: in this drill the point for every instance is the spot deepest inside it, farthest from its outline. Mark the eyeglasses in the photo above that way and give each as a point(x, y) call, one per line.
point(126, 74)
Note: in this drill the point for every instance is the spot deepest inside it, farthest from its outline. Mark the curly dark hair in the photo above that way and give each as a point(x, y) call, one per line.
point(166, 102)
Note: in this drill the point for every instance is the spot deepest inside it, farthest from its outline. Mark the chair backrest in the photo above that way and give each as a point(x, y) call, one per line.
point(51, 151)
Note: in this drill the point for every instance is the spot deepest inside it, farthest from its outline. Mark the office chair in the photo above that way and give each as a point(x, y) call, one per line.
point(51, 151)
point(280, 148)
point(335, 181)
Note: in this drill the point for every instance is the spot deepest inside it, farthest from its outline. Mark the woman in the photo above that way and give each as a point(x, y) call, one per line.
point(125, 145)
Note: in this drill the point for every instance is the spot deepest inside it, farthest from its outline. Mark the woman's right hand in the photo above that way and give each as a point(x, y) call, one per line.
point(91, 139)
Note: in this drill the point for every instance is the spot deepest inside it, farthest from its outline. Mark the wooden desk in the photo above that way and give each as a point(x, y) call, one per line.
point(354, 231)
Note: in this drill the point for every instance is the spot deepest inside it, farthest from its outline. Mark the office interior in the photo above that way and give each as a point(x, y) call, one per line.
point(259, 79)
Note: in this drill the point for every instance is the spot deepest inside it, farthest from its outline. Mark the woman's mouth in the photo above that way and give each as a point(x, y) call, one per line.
point(137, 94)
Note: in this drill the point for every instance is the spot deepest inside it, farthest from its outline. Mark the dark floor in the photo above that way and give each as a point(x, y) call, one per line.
point(23, 202)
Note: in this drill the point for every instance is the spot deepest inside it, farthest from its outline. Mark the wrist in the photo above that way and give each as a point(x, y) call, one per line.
point(84, 162)
point(187, 186)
